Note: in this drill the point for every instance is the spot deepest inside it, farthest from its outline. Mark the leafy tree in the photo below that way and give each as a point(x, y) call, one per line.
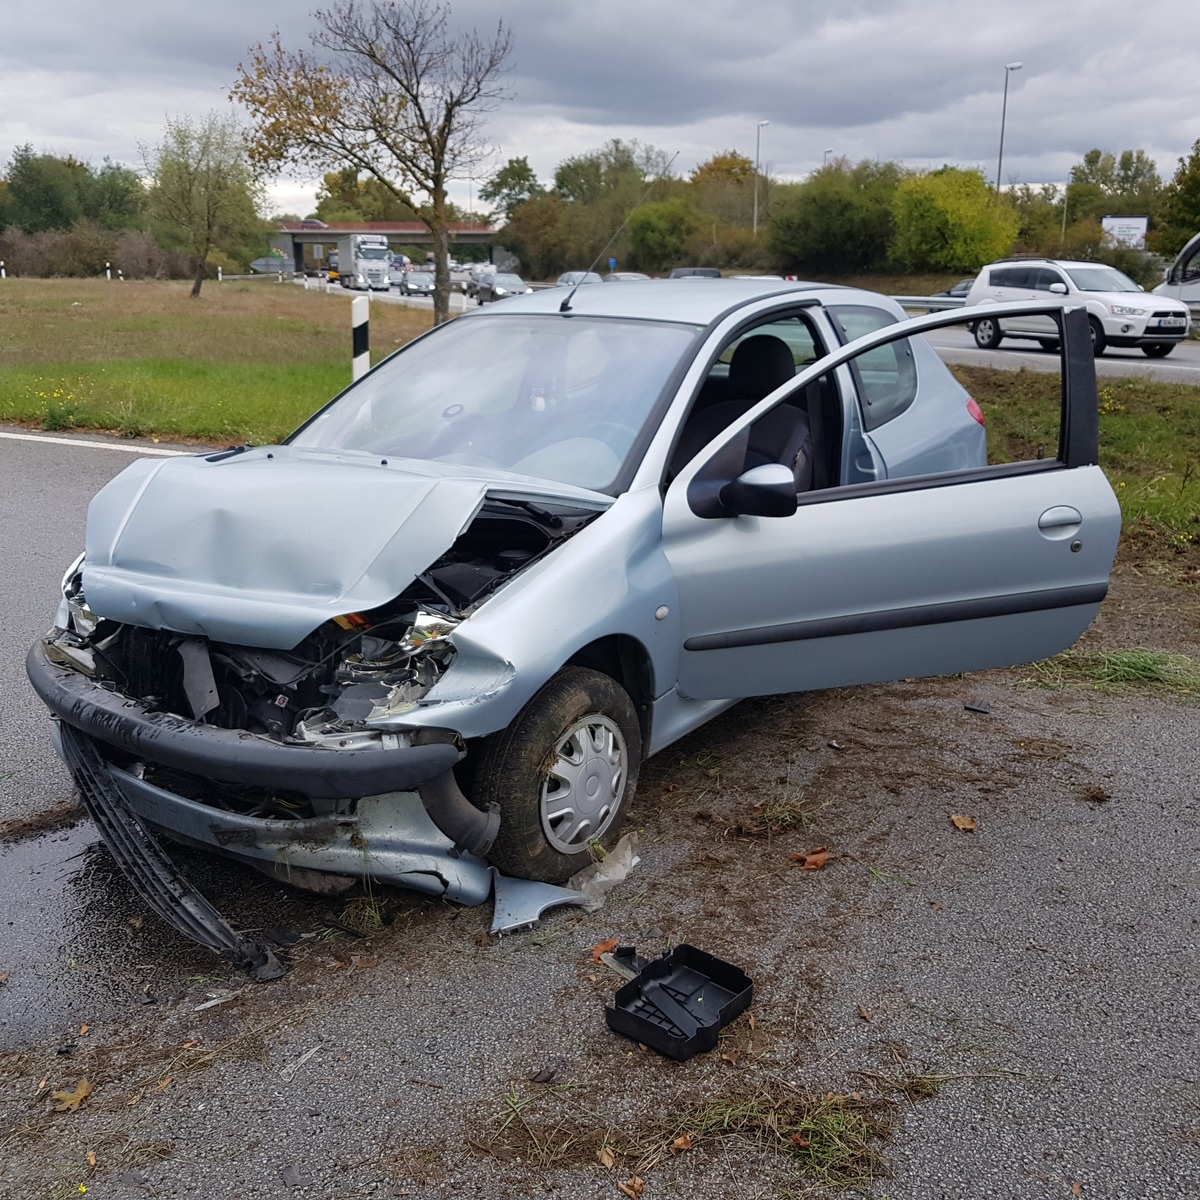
point(841, 218)
point(659, 233)
point(511, 186)
point(44, 191)
point(343, 196)
point(949, 218)
point(115, 197)
point(204, 192)
point(727, 167)
point(1104, 183)
point(1180, 214)
point(535, 234)
point(388, 90)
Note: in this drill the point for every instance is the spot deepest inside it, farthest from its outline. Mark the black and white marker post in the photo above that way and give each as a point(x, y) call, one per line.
point(360, 320)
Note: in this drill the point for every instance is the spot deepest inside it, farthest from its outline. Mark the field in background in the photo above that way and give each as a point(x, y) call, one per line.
point(245, 362)
point(248, 361)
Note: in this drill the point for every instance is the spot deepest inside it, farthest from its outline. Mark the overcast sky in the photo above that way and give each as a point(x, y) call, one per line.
point(918, 81)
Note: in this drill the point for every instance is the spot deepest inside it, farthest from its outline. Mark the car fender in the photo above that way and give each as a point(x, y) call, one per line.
point(610, 579)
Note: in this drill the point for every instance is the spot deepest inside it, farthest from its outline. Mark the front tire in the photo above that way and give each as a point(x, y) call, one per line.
point(1099, 341)
point(1050, 344)
point(987, 333)
point(1158, 350)
point(563, 774)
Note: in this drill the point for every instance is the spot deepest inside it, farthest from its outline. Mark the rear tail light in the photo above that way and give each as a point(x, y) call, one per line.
point(976, 411)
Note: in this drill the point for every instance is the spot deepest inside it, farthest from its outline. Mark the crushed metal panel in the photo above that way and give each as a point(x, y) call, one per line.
point(226, 549)
point(521, 902)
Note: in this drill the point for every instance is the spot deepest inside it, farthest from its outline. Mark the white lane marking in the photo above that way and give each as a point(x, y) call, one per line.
point(68, 441)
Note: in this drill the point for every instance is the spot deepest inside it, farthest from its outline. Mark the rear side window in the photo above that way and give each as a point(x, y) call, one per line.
point(1013, 277)
point(887, 376)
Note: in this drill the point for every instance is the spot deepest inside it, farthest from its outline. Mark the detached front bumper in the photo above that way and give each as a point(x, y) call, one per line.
point(231, 755)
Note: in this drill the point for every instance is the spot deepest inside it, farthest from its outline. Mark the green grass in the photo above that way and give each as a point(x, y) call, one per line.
point(1133, 669)
point(1149, 440)
point(245, 362)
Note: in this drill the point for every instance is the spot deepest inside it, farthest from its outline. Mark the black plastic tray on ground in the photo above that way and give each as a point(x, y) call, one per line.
point(679, 1003)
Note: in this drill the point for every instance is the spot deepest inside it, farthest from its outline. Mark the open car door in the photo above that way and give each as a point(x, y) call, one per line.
point(865, 582)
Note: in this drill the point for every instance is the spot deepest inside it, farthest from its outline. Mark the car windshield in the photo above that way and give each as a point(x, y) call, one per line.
point(509, 281)
point(558, 398)
point(379, 252)
point(1101, 279)
point(420, 277)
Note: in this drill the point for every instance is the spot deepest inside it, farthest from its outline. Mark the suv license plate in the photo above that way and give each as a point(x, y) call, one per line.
point(1171, 322)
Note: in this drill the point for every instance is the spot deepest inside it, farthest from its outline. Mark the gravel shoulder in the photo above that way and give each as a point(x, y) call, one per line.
point(1013, 1007)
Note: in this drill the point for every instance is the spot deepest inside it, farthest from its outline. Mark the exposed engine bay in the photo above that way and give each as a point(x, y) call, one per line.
point(330, 689)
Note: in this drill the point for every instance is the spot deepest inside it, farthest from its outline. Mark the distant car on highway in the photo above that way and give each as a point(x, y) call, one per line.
point(1182, 279)
point(416, 283)
point(694, 273)
point(1120, 312)
point(575, 278)
point(958, 290)
point(625, 277)
point(499, 286)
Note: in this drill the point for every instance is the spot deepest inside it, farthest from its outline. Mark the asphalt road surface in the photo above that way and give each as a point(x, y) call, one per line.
point(958, 346)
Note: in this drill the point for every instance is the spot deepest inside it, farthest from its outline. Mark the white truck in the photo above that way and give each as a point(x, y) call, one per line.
point(364, 261)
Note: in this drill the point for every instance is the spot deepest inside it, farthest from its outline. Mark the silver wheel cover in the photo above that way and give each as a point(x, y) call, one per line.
point(583, 788)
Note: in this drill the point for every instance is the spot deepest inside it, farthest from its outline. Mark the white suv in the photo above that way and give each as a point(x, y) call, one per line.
point(1121, 313)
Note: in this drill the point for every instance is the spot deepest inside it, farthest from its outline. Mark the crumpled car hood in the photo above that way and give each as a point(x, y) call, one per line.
point(260, 548)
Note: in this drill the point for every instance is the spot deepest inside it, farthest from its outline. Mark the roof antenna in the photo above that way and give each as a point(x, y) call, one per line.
point(565, 306)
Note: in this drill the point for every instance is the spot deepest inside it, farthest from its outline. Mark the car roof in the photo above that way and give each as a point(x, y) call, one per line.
point(695, 302)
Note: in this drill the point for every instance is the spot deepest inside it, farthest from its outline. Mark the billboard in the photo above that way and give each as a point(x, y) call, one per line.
point(1125, 231)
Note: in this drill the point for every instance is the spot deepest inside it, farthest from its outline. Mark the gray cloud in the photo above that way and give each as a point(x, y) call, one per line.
point(913, 80)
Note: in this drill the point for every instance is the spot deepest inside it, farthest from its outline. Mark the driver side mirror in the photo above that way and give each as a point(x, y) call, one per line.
point(1059, 289)
point(765, 491)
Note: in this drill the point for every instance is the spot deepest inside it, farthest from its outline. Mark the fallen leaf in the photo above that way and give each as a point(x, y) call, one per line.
point(1077, 1188)
point(937, 906)
point(3, 977)
point(731, 1057)
point(966, 824)
point(814, 860)
point(633, 1188)
point(365, 964)
point(605, 947)
point(83, 1029)
point(91, 1158)
point(136, 922)
point(606, 1158)
point(41, 1087)
point(797, 1140)
point(163, 1084)
point(69, 1101)
point(865, 1013)
point(753, 1023)
point(682, 1142)
point(191, 1045)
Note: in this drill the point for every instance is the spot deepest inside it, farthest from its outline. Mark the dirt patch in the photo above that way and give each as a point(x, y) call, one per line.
point(50, 820)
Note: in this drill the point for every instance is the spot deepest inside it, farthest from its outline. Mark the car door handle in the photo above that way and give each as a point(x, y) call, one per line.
point(1060, 522)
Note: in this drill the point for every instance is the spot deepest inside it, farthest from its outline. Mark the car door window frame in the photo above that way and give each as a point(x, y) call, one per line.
point(704, 477)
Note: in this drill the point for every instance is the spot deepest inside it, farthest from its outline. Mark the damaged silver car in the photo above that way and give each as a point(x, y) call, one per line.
point(438, 629)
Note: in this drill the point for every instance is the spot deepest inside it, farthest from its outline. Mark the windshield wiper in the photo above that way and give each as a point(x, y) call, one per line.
point(542, 515)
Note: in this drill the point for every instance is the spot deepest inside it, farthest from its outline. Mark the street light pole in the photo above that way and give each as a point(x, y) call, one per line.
point(825, 156)
point(1009, 68)
point(757, 145)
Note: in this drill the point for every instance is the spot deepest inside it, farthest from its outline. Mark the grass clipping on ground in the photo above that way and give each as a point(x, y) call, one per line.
point(1134, 669)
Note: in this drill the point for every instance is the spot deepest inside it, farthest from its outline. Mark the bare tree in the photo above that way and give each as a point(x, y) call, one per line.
point(203, 189)
point(389, 90)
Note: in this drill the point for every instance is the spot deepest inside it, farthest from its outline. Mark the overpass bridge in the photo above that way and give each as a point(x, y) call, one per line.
point(307, 244)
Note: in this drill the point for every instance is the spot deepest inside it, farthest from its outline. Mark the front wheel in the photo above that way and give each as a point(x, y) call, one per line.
point(1099, 341)
point(1158, 350)
point(987, 333)
point(563, 774)
point(1050, 344)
